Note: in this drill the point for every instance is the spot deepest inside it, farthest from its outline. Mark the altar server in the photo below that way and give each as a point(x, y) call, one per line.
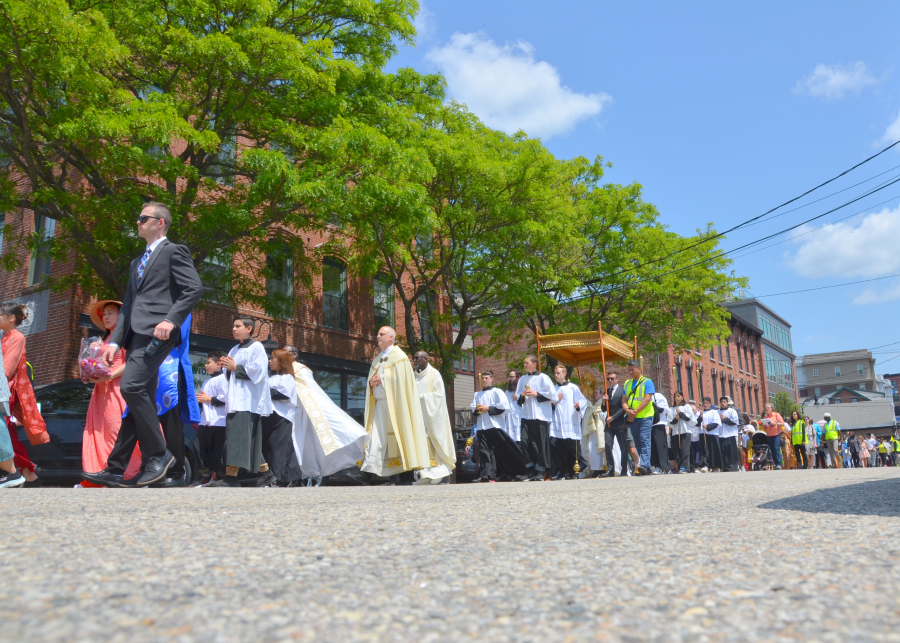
point(441, 447)
point(397, 439)
point(278, 428)
point(534, 393)
point(712, 432)
point(211, 433)
point(681, 426)
point(248, 401)
point(565, 427)
point(499, 455)
point(512, 419)
point(731, 427)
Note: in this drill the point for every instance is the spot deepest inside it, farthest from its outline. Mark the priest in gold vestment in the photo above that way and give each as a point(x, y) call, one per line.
point(441, 448)
point(397, 440)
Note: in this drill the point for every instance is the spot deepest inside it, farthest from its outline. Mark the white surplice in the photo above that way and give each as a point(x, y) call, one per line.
point(249, 394)
point(441, 448)
point(566, 421)
point(326, 439)
point(511, 419)
point(593, 435)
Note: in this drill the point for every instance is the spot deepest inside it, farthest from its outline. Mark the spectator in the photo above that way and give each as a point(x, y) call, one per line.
point(774, 427)
point(832, 436)
point(798, 439)
point(863, 451)
point(872, 443)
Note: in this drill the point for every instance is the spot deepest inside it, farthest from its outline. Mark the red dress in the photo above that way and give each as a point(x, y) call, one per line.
point(104, 418)
point(22, 402)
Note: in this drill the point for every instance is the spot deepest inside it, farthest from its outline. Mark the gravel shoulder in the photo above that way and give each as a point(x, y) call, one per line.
point(792, 555)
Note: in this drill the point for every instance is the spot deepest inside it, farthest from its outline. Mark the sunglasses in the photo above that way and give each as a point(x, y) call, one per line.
point(612, 377)
point(144, 217)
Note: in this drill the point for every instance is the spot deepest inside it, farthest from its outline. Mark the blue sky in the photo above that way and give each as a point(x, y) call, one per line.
point(721, 111)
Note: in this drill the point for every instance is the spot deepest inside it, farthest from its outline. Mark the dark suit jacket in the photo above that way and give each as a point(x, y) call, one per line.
point(170, 289)
point(616, 418)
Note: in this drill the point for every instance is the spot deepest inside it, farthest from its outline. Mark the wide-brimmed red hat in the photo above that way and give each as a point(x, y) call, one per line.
point(96, 312)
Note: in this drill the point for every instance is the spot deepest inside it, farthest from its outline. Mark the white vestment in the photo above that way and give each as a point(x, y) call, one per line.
point(593, 436)
point(441, 448)
point(511, 418)
point(326, 439)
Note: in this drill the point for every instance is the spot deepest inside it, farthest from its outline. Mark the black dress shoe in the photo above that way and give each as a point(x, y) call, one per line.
point(107, 478)
point(155, 470)
point(175, 481)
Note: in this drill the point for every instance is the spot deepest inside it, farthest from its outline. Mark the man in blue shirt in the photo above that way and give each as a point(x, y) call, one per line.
point(637, 400)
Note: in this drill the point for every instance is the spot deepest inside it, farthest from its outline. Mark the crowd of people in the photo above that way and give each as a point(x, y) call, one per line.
point(263, 417)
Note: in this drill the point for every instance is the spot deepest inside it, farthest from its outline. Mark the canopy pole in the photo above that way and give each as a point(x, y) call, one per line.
point(537, 338)
point(602, 358)
point(635, 347)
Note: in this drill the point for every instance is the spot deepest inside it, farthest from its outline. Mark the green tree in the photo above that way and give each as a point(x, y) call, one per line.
point(784, 405)
point(471, 222)
point(230, 112)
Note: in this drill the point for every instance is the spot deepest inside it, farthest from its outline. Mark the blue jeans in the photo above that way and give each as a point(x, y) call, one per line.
point(775, 447)
point(6, 449)
point(641, 429)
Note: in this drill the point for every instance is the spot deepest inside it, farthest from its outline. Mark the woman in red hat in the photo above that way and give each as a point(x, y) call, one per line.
point(104, 414)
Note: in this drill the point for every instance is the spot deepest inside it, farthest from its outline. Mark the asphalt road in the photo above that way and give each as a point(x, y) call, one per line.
point(786, 555)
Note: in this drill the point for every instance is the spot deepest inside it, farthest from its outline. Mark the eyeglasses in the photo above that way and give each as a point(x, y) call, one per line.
point(143, 218)
point(612, 377)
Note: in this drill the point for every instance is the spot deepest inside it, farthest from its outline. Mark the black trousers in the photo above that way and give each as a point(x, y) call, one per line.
point(659, 447)
point(211, 442)
point(173, 431)
point(623, 436)
point(730, 457)
point(536, 438)
point(278, 449)
point(681, 451)
point(800, 454)
point(138, 388)
point(498, 455)
point(563, 452)
point(713, 451)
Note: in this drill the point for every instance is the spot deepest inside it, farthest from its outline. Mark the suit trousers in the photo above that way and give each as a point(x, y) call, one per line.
point(623, 436)
point(138, 388)
point(659, 448)
point(173, 431)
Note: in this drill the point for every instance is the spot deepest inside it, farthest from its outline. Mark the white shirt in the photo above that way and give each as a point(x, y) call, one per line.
point(491, 397)
point(679, 425)
point(286, 385)
point(532, 409)
point(728, 430)
point(253, 394)
point(153, 246)
point(663, 405)
point(217, 388)
point(566, 420)
point(712, 417)
point(512, 418)
point(695, 425)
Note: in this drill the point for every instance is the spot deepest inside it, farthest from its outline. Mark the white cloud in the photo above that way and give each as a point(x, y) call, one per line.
point(835, 81)
point(892, 133)
point(510, 90)
point(866, 250)
point(424, 23)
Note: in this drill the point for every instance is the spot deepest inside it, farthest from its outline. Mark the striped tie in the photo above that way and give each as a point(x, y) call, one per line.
point(143, 265)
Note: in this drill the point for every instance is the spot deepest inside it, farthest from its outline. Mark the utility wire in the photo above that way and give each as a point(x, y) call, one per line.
point(748, 221)
point(849, 283)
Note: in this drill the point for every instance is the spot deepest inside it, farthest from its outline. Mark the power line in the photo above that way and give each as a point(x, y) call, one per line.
point(849, 283)
point(748, 221)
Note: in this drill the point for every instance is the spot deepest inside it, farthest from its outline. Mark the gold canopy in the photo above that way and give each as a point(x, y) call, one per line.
point(577, 349)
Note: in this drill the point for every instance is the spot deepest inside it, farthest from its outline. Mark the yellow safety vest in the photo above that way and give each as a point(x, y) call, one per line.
point(798, 432)
point(635, 393)
point(831, 432)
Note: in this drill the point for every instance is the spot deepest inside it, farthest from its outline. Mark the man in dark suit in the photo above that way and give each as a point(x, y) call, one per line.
point(616, 427)
point(163, 289)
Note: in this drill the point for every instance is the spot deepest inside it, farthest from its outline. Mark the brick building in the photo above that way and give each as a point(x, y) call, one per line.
point(332, 324)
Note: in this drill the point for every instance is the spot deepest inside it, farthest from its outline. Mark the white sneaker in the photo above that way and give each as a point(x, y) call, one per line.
point(14, 479)
point(704, 470)
point(78, 486)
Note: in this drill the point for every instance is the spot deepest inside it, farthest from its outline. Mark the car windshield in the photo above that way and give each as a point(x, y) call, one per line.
point(65, 400)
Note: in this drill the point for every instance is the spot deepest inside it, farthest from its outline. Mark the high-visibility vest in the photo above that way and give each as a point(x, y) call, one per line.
point(635, 394)
point(798, 432)
point(882, 448)
point(831, 431)
point(896, 444)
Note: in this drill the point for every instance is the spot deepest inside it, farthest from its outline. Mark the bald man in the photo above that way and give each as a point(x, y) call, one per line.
point(441, 450)
point(397, 439)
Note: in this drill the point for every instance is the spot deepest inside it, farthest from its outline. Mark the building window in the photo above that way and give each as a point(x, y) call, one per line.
point(690, 382)
point(859, 369)
point(384, 302)
point(837, 371)
point(836, 400)
point(39, 267)
point(465, 363)
point(679, 386)
point(222, 163)
point(753, 362)
point(721, 361)
point(852, 399)
point(715, 395)
point(334, 294)
point(279, 279)
point(818, 392)
point(712, 353)
point(740, 363)
point(346, 390)
point(425, 309)
point(728, 352)
point(862, 387)
point(815, 372)
point(2, 225)
point(215, 272)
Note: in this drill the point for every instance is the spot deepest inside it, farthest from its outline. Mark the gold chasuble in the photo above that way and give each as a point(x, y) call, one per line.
point(397, 440)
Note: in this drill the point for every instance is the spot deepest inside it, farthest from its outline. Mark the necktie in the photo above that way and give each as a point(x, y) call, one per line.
point(142, 265)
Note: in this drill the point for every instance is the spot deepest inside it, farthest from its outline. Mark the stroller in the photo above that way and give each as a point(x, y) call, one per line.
point(762, 457)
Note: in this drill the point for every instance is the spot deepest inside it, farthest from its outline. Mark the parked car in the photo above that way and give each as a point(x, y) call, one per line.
point(64, 408)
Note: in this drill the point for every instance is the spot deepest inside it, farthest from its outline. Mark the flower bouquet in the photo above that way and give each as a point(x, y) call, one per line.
point(90, 362)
